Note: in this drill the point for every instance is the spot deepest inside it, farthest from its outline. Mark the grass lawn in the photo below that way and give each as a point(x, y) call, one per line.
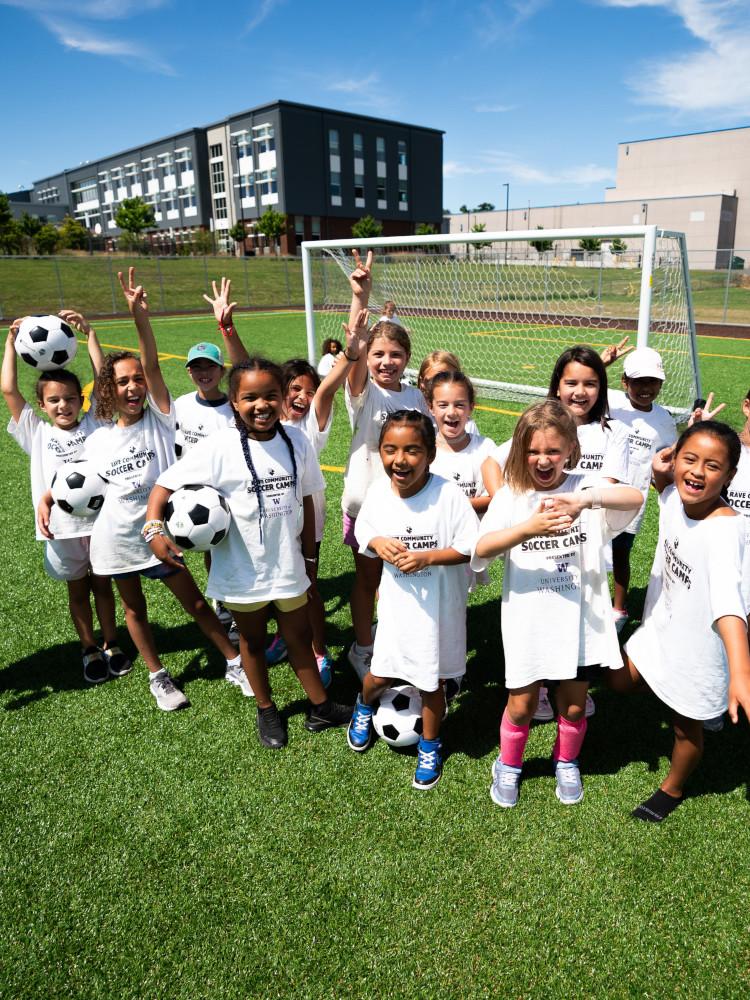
point(154, 855)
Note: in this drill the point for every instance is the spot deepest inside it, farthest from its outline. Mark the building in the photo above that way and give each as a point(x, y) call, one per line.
point(698, 184)
point(321, 169)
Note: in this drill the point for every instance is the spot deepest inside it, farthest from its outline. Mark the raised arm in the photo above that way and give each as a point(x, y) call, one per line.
point(662, 471)
point(223, 310)
point(136, 298)
point(9, 379)
point(356, 343)
point(361, 284)
point(79, 321)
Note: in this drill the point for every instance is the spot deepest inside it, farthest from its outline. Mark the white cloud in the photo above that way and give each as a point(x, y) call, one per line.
point(493, 109)
point(353, 85)
point(498, 21)
point(716, 77)
point(98, 10)
point(265, 9)
point(82, 39)
point(509, 166)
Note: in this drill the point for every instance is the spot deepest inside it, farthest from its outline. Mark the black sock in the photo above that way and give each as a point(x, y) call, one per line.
point(323, 708)
point(657, 808)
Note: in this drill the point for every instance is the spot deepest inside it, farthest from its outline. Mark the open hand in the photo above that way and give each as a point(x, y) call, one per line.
point(548, 520)
point(220, 303)
point(76, 319)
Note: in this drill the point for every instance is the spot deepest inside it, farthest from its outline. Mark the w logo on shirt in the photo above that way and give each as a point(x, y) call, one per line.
point(676, 543)
point(562, 567)
point(409, 531)
point(276, 500)
point(132, 449)
point(457, 476)
point(271, 472)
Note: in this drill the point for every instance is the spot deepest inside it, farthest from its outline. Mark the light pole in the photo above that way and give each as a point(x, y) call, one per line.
point(236, 144)
point(507, 203)
point(644, 209)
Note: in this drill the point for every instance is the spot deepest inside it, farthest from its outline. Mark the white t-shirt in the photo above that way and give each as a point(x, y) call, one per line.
point(696, 579)
point(198, 418)
point(556, 611)
point(367, 414)
point(421, 632)
point(131, 459)
point(648, 432)
point(49, 448)
point(464, 467)
point(738, 492)
point(326, 363)
point(246, 568)
point(318, 439)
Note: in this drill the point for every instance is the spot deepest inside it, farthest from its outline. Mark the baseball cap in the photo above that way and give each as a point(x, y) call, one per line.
point(644, 362)
point(208, 351)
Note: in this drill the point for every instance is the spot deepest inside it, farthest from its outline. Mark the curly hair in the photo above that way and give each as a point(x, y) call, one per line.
point(104, 385)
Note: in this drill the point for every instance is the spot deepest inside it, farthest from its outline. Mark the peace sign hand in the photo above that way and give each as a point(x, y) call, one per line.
point(135, 295)
point(361, 277)
point(613, 352)
point(705, 412)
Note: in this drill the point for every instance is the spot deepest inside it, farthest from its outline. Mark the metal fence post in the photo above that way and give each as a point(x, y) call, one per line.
point(601, 272)
point(112, 287)
point(161, 284)
point(205, 270)
point(59, 284)
point(726, 288)
point(247, 286)
point(286, 278)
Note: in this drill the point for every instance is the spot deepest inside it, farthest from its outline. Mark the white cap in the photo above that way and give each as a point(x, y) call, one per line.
point(644, 362)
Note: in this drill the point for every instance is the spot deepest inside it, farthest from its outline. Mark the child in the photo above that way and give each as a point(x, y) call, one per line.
point(130, 454)
point(373, 390)
point(650, 428)
point(692, 648)
point(440, 361)
point(268, 474)
point(329, 356)
point(50, 445)
point(556, 616)
point(422, 527)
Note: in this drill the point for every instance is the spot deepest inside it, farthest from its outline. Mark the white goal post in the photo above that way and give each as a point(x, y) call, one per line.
point(508, 303)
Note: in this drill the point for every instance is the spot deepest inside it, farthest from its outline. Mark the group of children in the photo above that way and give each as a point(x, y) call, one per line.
point(559, 502)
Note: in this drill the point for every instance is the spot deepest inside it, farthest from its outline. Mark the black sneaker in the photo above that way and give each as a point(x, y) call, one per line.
point(118, 664)
point(94, 666)
point(327, 716)
point(271, 728)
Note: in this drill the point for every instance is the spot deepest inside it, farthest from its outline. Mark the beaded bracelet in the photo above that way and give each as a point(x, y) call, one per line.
point(151, 529)
point(226, 331)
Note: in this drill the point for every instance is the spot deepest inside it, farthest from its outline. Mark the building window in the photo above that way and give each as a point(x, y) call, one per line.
point(333, 141)
point(184, 159)
point(218, 183)
point(187, 196)
point(380, 149)
point(266, 182)
point(215, 152)
point(403, 196)
point(315, 227)
point(247, 186)
point(84, 191)
point(148, 168)
point(336, 185)
point(359, 190)
point(299, 227)
point(131, 172)
point(402, 153)
point(220, 208)
point(382, 197)
point(359, 146)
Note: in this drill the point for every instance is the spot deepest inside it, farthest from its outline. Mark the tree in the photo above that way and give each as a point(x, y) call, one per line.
point(134, 217)
point(542, 246)
point(272, 224)
point(464, 209)
point(47, 239)
point(11, 234)
point(30, 225)
point(590, 244)
point(618, 246)
point(478, 227)
point(238, 233)
point(73, 235)
point(367, 227)
point(425, 229)
point(204, 242)
point(485, 206)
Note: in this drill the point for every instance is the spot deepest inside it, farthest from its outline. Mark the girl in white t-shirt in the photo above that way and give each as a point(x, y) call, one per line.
point(329, 355)
point(51, 445)
point(692, 648)
point(551, 525)
point(130, 453)
point(422, 527)
point(268, 473)
point(373, 390)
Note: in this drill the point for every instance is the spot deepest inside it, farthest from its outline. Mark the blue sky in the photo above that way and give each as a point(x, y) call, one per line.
point(533, 93)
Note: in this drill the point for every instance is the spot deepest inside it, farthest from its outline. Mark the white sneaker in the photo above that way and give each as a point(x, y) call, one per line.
point(168, 696)
point(590, 706)
point(504, 787)
point(236, 675)
point(360, 661)
point(544, 710)
point(569, 787)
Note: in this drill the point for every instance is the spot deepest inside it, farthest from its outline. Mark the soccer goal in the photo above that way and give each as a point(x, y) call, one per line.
point(509, 303)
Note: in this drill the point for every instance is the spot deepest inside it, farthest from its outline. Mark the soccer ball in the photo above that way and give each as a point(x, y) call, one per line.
point(398, 717)
point(46, 342)
point(197, 517)
point(78, 489)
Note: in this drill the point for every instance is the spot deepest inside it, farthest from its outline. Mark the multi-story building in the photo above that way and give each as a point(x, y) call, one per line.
point(321, 169)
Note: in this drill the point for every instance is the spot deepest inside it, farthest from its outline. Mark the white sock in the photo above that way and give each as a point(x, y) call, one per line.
point(235, 661)
point(157, 673)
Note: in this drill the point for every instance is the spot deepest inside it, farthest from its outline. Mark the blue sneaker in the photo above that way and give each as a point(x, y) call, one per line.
point(360, 733)
point(325, 669)
point(429, 763)
point(275, 650)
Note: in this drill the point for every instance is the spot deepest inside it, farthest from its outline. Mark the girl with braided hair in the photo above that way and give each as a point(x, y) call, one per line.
point(268, 474)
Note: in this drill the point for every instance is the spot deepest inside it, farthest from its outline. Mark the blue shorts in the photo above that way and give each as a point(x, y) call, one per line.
point(159, 572)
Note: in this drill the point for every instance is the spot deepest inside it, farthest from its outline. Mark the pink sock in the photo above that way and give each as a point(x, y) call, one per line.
point(569, 739)
point(512, 741)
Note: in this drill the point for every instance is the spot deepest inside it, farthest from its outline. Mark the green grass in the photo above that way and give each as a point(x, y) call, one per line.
point(153, 855)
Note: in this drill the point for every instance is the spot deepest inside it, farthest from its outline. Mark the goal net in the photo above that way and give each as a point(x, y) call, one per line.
point(509, 303)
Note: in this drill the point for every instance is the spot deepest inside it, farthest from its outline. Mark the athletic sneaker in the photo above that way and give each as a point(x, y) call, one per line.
point(505, 781)
point(544, 710)
point(359, 660)
point(237, 676)
point(168, 696)
point(233, 633)
point(429, 763)
point(569, 788)
point(275, 650)
point(360, 733)
point(327, 716)
point(621, 618)
point(590, 706)
point(325, 669)
point(714, 725)
point(271, 728)
point(118, 665)
point(94, 666)
point(223, 614)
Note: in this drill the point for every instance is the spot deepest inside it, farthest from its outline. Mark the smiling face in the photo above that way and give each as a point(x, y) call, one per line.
point(299, 396)
point(206, 376)
point(642, 391)
point(257, 400)
point(130, 390)
point(701, 471)
point(546, 456)
point(578, 390)
point(451, 408)
point(386, 361)
point(62, 404)
point(405, 458)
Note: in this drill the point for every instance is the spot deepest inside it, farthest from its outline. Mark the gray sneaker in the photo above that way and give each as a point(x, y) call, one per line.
point(505, 781)
point(569, 788)
point(237, 676)
point(168, 696)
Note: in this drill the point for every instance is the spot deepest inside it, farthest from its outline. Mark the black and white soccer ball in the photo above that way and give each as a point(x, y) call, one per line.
point(78, 489)
point(398, 717)
point(197, 517)
point(46, 342)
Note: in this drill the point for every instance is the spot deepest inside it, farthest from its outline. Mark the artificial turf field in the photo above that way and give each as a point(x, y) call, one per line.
point(147, 854)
